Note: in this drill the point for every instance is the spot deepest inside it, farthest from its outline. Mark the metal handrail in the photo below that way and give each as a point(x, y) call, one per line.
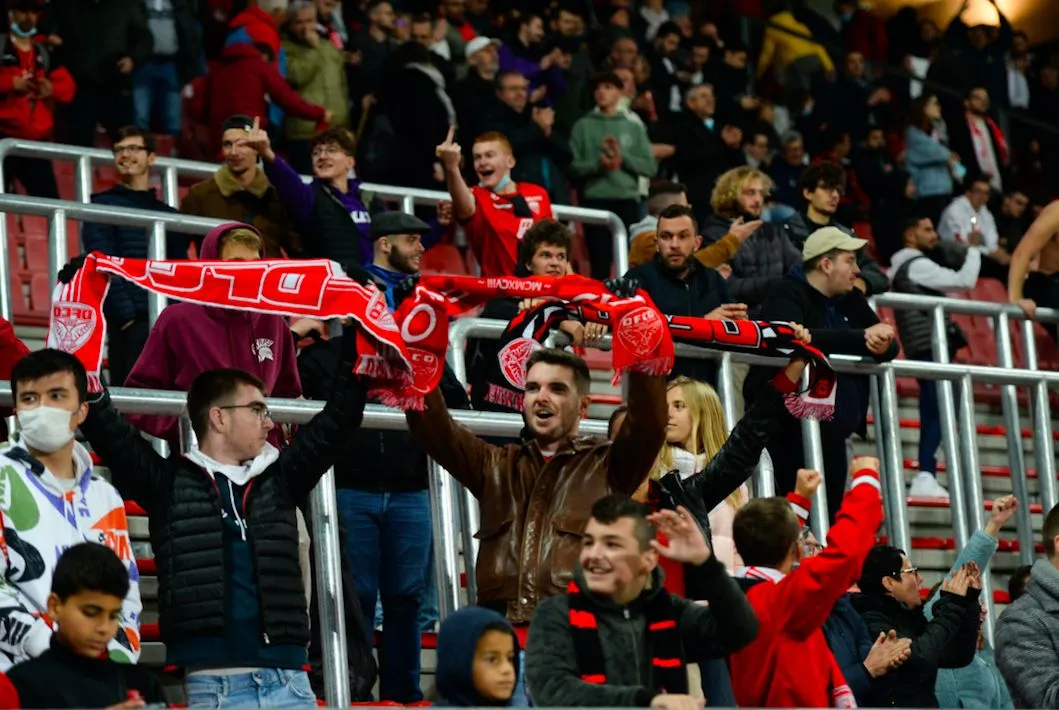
point(172, 169)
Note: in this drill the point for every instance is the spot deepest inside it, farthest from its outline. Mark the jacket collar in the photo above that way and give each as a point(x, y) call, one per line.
point(1044, 585)
point(228, 185)
point(652, 590)
point(764, 574)
point(44, 478)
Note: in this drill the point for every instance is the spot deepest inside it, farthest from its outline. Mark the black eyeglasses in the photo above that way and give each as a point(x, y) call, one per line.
point(259, 408)
point(119, 149)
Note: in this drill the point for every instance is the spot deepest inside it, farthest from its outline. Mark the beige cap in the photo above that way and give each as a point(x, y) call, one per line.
point(827, 238)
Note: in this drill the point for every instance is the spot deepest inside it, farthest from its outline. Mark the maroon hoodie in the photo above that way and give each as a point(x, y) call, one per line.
point(189, 339)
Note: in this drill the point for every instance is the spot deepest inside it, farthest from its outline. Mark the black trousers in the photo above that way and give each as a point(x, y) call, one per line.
point(109, 106)
point(124, 348)
point(788, 456)
point(34, 174)
point(600, 240)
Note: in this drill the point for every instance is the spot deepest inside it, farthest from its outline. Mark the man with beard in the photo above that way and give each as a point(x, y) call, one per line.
point(618, 638)
point(331, 213)
point(979, 140)
point(536, 494)
point(767, 255)
point(680, 285)
point(126, 304)
point(397, 244)
point(928, 266)
point(238, 191)
point(497, 212)
point(822, 186)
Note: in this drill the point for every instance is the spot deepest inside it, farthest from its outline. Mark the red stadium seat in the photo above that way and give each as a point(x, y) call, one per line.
point(37, 253)
point(443, 259)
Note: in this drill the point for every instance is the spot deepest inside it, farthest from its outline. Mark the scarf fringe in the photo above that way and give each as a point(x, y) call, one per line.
point(659, 366)
point(803, 408)
point(398, 400)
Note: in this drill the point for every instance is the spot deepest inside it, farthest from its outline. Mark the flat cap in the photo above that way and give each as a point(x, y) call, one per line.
point(386, 224)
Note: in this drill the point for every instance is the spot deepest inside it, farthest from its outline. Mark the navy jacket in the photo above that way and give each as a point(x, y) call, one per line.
point(850, 642)
point(125, 300)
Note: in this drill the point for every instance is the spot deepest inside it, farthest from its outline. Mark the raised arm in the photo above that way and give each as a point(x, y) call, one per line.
point(1041, 232)
point(453, 446)
point(315, 447)
point(722, 628)
point(641, 436)
point(450, 155)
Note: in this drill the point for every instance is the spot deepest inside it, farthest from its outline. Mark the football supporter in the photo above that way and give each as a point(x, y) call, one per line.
point(497, 212)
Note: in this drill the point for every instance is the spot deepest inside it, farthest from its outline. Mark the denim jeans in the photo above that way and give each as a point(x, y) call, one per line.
point(156, 85)
point(930, 419)
point(389, 552)
point(264, 688)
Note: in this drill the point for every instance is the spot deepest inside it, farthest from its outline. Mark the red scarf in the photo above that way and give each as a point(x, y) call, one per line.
point(998, 138)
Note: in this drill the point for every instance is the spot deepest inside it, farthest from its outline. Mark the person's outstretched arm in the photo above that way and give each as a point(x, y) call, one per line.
point(315, 447)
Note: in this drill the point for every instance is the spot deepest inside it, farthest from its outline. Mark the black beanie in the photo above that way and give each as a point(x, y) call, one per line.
point(882, 561)
point(238, 121)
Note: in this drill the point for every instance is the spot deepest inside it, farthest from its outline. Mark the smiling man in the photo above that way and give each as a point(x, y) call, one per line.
point(536, 494)
point(239, 191)
point(617, 638)
point(497, 212)
point(331, 213)
point(126, 305)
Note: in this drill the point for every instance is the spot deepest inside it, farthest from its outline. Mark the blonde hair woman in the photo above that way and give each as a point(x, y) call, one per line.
point(695, 435)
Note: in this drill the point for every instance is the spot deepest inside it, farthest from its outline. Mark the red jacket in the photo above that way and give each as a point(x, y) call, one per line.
point(11, 351)
point(240, 86)
point(259, 25)
point(22, 115)
point(789, 664)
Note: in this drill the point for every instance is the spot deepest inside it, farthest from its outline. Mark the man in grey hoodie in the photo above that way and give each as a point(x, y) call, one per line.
point(1027, 634)
point(617, 638)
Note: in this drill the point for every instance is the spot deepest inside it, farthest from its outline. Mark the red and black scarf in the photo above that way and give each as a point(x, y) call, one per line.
point(669, 673)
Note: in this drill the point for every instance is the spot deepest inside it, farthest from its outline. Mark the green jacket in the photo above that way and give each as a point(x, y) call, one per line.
point(586, 143)
point(318, 74)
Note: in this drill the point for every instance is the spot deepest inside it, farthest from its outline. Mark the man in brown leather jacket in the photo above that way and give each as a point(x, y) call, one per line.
point(536, 496)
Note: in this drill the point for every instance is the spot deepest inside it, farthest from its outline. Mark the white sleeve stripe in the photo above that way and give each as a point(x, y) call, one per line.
point(867, 480)
point(801, 512)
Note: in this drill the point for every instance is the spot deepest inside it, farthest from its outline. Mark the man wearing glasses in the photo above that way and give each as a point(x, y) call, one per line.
point(967, 220)
point(126, 305)
point(225, 534)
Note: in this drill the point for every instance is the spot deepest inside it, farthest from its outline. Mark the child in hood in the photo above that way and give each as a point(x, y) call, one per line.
point(478, 660)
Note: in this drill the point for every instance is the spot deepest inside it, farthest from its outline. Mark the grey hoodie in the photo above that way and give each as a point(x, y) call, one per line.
point(551, 661)
point(1027, 639)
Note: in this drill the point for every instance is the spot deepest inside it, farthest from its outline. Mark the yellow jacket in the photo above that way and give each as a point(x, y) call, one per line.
point(783, 46)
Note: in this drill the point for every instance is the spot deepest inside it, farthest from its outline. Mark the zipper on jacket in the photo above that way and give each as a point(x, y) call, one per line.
point(253, 561)
point(635, 644)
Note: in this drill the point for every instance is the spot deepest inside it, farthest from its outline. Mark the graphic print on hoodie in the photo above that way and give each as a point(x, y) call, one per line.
point(457, 643)
point(189, 339)
point(41, 518)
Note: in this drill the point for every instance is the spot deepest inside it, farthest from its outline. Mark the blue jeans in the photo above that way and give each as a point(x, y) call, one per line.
point(930, 419)
point(156, 85)
point(428, 607)
point(264, 688)
point(389, 553)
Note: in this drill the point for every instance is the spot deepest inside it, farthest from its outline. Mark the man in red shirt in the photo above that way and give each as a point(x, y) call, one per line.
point(790, 664)
point(497, 211)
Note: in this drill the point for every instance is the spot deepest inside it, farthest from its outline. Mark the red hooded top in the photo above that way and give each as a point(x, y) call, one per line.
point(22, 115)
point(189, 339)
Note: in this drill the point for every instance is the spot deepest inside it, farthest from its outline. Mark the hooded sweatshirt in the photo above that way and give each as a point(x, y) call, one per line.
point(189, 339)
point(457, 641)
point(42, 516)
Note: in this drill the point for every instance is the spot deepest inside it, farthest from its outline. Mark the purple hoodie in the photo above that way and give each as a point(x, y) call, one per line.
point(189, 339)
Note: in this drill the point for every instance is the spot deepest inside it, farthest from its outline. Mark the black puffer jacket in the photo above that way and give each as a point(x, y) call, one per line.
point(732, 465)
point(798, 229)
point(187, 532)
point(949, 640)
point(765, 257)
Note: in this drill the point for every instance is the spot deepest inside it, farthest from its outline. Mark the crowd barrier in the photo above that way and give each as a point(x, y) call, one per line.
point(172, 170)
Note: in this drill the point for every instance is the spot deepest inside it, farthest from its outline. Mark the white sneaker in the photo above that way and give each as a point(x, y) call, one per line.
point(924, 485)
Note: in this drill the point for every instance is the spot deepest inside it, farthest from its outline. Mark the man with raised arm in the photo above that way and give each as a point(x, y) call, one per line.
point(1031, 287)
point(496, 212)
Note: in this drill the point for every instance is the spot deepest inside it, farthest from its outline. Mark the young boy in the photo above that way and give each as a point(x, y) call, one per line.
point(477, 659)
point(87, 592)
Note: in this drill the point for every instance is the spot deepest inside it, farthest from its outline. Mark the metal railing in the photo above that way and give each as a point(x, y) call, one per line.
point(172, 169)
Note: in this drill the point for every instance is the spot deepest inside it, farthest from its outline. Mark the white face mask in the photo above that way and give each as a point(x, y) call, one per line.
point(45, 429)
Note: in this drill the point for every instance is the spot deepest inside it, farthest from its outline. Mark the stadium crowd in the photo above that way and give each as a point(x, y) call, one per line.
point(768, 165)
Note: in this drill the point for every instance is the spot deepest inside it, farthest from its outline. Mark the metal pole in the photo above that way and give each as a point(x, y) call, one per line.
point(975, 504)
point(814, 458)
point(765, 476)
point(880, 448)
point(83, 178)
point(726, 390)
point(895, 485)
point(1043, 444)
point(57, 252)
point(408, 204)
point(470, 522)
point(5, 264)
point(156, 250)
point(328, 572)
point(621, 243)
point(444, 518)
point(1010, 403)
point(947, 412)
point(187, 434)
point(170, 187)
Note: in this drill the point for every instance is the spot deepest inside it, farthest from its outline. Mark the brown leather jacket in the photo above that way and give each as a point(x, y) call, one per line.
point(534, 510)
